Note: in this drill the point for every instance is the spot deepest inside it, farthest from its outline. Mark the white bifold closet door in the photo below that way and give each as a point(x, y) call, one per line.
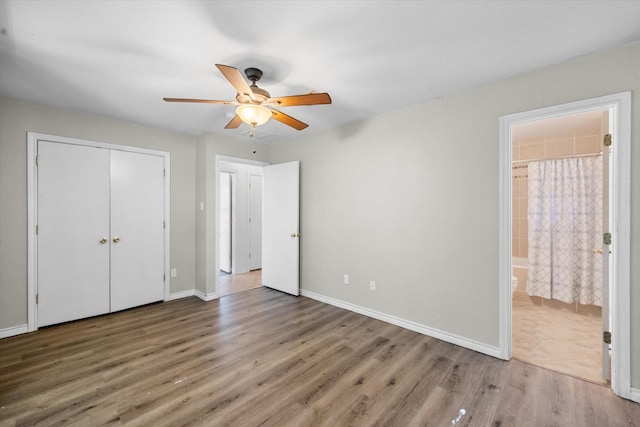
point(73, 232)
point(137, 229)
point(100, 231)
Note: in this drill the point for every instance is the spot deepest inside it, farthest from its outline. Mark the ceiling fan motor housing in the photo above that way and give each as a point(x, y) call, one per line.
point(253, 74)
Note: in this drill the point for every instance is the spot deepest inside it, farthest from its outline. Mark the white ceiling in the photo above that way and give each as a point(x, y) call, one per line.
point(120, 58)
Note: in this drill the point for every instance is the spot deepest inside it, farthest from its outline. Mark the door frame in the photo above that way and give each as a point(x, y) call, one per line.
point(620, 199)
point(232, 216)
point(32, 210)
point(218, 168)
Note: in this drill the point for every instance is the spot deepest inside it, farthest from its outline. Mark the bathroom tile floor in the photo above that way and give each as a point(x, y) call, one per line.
point(557, 339)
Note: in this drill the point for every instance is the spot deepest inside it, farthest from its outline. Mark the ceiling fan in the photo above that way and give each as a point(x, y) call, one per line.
point(254, 104)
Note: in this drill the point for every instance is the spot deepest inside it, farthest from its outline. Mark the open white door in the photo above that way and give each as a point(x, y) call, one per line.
point(606, 257)
point(280, 227)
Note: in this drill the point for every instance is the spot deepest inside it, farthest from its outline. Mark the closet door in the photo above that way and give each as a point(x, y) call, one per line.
point(137, 229)
point(73, 232)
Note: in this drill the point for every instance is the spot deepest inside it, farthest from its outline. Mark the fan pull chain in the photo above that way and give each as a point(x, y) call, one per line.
point(253, 130)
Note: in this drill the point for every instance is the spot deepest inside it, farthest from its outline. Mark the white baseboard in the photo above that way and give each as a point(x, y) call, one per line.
point(205, 297)
point(407, 324)
point(182, 294)
point(635, 394)
point(14, 330)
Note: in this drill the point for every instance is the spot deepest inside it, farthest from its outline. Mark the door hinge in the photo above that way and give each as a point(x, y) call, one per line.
point(37, 160)
point(607, 140)
point(164, 172)
point(606, 337)
point(606, 238)
point(164, 277)
point(164, 224)
point(37, 229)
point(37, 298)
point(249, 254)
point(249, 220)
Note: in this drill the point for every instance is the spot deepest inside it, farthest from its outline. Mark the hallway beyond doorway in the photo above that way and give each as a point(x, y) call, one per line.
point(234, 283)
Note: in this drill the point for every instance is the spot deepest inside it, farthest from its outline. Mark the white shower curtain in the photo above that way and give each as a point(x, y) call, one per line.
point(565, 225)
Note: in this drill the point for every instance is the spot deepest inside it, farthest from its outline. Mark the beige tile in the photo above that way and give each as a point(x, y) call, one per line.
point(560, 148)
point(588, 145)
point(515, 229)
point(523, 225)
point(592, 310)
point(521, 274)
point(523, 183)
point(515, 248)
point(515, 151)
point(524, 247)
point(559, 305)
point(532, 151)
point(524, 206)
point(557, 339)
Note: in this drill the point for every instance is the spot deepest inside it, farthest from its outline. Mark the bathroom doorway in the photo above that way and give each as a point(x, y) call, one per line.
point(240, 227)
point(616, 313)
point(560, 169)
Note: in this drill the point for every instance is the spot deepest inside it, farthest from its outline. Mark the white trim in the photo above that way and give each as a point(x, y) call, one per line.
point(634, 394)
point(32, 209)
point(167, 224)
point(407, 324)
point(205, 297)
point(14, 330)
point(180, 295)
point(621, 255)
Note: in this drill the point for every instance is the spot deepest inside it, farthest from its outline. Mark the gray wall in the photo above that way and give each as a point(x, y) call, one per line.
point(410, 199)
point(19, 117)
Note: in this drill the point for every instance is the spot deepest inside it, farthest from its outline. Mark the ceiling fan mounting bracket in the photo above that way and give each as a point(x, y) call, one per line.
point(253, 74)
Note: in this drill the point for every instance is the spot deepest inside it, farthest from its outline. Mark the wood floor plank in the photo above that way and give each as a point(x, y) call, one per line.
point(265, 358)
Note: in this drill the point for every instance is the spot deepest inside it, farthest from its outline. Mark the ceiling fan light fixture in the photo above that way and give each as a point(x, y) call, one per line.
point(254, 115)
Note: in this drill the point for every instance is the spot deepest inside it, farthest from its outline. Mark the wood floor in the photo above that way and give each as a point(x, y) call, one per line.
point(264, 358)
point(233, 283)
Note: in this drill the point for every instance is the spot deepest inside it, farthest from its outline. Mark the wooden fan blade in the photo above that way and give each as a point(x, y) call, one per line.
point(201, 101)
point(237, 81)
point(288, 120)
point(309, 99)
point(234, 123)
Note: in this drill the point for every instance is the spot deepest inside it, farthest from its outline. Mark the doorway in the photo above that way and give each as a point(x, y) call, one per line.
point(616, 310)
point(558, 202)
point(239, 220)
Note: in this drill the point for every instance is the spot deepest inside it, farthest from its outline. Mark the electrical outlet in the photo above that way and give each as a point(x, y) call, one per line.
point(174, 272)
point(372, 285)
point(346, 279)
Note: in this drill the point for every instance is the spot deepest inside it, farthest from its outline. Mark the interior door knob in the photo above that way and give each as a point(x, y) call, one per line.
point(295, 235)
point(104, 240)
point(116, 239)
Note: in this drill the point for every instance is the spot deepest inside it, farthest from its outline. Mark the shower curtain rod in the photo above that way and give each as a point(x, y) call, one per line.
point(559, 158)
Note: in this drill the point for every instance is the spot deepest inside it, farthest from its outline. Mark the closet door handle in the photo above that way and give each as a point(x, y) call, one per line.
point(104, 240)
point(116, 239)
